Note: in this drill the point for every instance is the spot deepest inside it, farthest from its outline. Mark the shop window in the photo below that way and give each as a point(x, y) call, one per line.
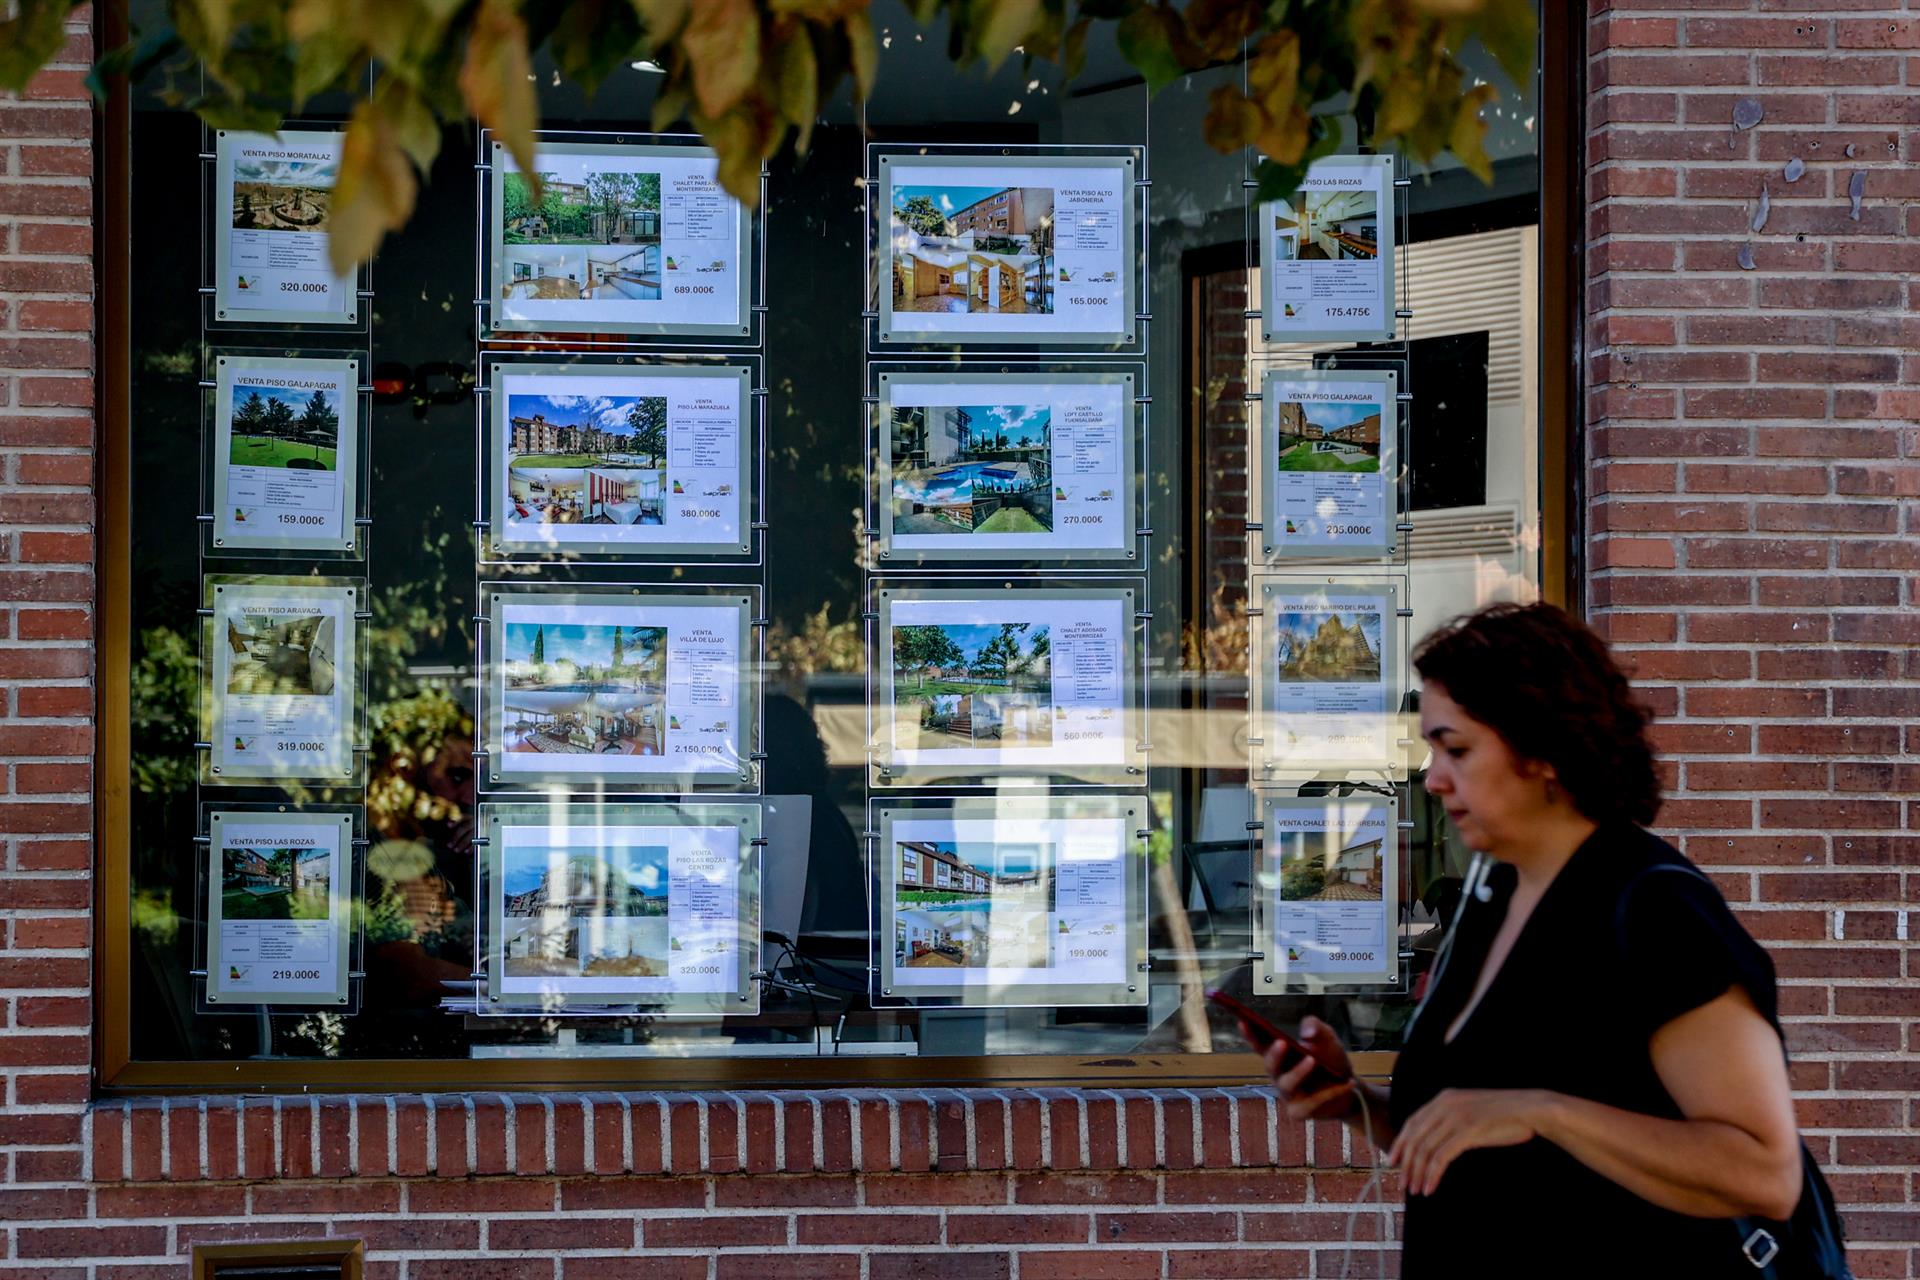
point(979, 648)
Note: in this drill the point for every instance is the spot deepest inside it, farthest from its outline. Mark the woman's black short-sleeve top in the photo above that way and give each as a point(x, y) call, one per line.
point(1609, 955)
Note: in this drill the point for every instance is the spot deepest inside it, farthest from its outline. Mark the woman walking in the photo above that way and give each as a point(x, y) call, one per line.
point(1595, 1081)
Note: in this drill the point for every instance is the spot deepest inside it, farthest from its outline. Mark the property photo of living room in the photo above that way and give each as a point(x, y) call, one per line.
point(974, 469)
point(278, 654)
point(584, 689)
point(972, 250)
point(968, 685)
point(586, 459)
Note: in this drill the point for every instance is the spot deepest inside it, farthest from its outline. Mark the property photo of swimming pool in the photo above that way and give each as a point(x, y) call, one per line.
point(973, 469)
point(972, 685)
point(1328, 435)
point(586, 459)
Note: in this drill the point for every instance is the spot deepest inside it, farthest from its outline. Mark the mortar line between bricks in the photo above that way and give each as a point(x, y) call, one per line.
point(470, 1139)
point(509, 1123)
point(818, 1133)
point(665, 1115)
point(206, 1164)
point(1159, 1131)
point(589, 1142)
point(969, 1124)
point(740, 1131)
point(1046, 1133)
point(626, 1134)
point(706, 1156)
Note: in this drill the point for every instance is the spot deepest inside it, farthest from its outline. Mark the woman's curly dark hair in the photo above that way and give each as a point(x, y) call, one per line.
point(1546, 684)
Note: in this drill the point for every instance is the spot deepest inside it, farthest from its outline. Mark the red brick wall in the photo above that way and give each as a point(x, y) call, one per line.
point(1752, 475)
point(1753, 461)
point(1048, 1185)
point(46, 627)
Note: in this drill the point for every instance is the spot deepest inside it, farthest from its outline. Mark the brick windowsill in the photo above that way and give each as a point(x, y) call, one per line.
point(577, 1134)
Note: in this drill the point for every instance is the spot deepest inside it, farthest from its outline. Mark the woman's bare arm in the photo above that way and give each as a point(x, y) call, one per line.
point(1736, 1152)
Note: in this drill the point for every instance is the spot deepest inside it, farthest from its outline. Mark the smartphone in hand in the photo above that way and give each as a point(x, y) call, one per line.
point(1265, 1034)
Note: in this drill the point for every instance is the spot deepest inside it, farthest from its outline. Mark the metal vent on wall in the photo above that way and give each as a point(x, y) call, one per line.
point(1465, 531)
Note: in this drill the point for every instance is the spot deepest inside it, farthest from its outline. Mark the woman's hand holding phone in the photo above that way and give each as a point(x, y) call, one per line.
point(1316, 1084)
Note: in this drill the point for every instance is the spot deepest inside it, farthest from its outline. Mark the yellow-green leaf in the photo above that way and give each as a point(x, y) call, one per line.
point(663, 19)
point(1273, 72)
point(1152, 38)
point(320, 61)
point(35, 32)
point(669, 107)
point(722, 43)
point(799, 85)
point(1467, 138)
point(1284, 140)
point(415, 131)
point(497, 78)
point(1000, 25)
point(216, 20)
point(1221, 25)
point(736, 141)
point(1231, 120)
point(374, 192)
point(1400, 105)
point(863, 51)
point(1073, 49)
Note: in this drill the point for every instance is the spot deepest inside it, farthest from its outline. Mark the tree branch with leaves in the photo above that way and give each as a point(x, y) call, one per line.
point(750, 76)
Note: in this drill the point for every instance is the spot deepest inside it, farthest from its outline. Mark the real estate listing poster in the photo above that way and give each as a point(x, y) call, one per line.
point(273, 196)
point(610, 460)
point(286, 440)
point(623, 904)
point(1327, 663)
point(1006, 466)
point(633, 691)
point(1327, 463)
point(1330, 889)
point(998, 248)
point(1029, 680)
point(283, 672)
point(619, 239)
point(1327, 255)
point(279, 909)
point(1009, 908)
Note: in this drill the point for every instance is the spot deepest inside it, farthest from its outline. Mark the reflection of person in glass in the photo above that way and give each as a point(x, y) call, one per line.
point(1601, 1045)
